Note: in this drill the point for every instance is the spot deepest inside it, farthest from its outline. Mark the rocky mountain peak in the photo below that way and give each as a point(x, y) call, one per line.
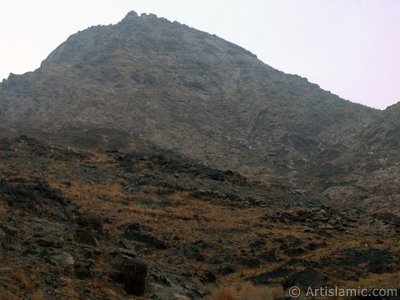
point(184, 90)
point(131, 14)
point(153, 159)
point(394, 107)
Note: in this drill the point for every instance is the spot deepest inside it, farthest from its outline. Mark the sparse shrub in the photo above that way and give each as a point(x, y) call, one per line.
point(7, 295)
point(248, 292)
point(38, 295)
point(276, 292)
point(225, 293)
point(21, 277)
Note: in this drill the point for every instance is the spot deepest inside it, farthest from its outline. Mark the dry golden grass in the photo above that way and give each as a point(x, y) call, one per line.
point(141, 165)
point(67, 289)
point(252, 292)
point(38, 295)
point(21, 277)
point(224, 293)
point(276, 292)
point(248, 291)
point(178, 196)
point(3, 210)
point(7, 295)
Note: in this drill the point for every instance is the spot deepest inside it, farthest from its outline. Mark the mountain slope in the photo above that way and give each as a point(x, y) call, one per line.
point(71, 216)
point(185, 90)
point(383, 134)
point(372, 177)
point(133, 134)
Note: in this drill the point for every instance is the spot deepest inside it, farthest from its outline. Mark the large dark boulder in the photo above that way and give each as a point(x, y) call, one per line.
point(9, 240)
point(4, 145)
point(90, 221)
point(131, 272)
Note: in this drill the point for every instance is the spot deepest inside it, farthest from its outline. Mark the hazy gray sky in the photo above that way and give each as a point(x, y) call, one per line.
point(349, 47)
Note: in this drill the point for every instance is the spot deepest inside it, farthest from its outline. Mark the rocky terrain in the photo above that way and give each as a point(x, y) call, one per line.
point(187, 91)
point(150, 160)
point(75, 222)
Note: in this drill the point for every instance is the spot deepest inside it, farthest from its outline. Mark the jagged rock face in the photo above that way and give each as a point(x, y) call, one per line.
point(182, 89)
point(383, 134)
point(374, 175)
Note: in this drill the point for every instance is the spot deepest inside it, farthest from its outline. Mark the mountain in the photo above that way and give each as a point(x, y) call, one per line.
point(150, 159)
point(188, 91)
point(383, 134)
point(369, 174)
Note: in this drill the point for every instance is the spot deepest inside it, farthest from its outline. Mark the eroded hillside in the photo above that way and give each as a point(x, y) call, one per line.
point(69, 215)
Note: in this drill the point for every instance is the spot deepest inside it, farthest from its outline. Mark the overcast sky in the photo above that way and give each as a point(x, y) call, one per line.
point(349, 47)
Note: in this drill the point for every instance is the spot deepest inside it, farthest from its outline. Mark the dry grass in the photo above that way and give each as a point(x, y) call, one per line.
point(252, 292)
point(38, 295)
point(67, 289)
point(248, 291)
point(225, 293)
point(3, 210)
point(21, 277)
point(276, 292)
point(7, 295)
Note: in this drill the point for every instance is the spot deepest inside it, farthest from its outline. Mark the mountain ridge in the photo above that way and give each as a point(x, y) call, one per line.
point(184, 90)
point(150, 159)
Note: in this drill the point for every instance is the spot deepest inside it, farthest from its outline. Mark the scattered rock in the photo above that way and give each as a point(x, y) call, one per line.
point(315, 246)
point(268, 277)
point(388, 218)
point(124, 251)
point(295, 251)
point(86, 236)
point(217, 260)
point(249, 262)
point(307, 278)
point(64, 259)
point(163, 279)
point(4, 144)
point(268, 256)
point(313, 217)
point(193, 252)
point(93, 222)
point(226, 270)
point(375, 260)
point(133, 233)
point(83, 269)
point(179, 297)
point(48, 242)
point(32, 195)
point(9, 238)
point(208, 277)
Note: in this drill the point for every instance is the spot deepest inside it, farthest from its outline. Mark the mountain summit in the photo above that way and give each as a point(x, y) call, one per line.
point(152, 159)
point(185, 90)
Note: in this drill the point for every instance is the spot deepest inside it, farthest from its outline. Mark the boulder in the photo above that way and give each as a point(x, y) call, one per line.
point(93, 222)
point(307, 278)
point(4, 145)
point(86, 236)
point(83, 269)
point(131, 272)
point(133, 232)
point(64, 259)
point(9, 238)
